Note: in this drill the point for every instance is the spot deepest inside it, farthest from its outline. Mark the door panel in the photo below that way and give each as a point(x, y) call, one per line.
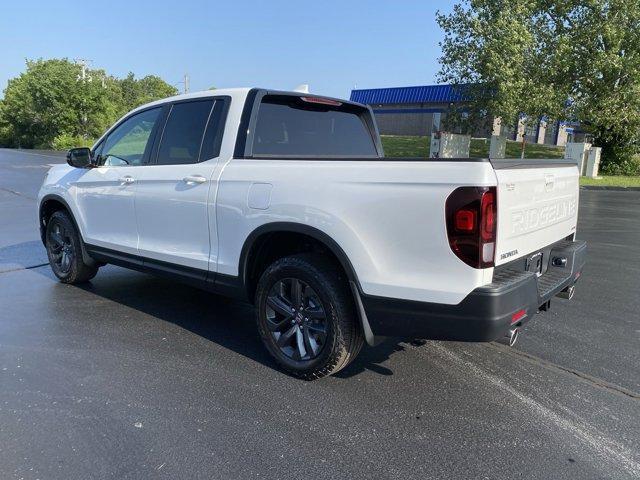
point(106, 205)
point(172, 214)
point(105, 194)
point(172, 194)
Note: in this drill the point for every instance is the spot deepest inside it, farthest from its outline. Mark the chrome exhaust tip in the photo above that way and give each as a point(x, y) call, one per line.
point(509, 338)
point(568, 292)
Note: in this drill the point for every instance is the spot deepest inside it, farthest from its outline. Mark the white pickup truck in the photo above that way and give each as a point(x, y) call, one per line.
point(286, 200)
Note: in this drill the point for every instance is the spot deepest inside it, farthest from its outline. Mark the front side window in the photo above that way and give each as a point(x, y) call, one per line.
point(305, 126)
point(183, 132)
point(127, 144)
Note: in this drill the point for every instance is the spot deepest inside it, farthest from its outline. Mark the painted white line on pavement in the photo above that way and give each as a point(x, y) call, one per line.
point(606, 448)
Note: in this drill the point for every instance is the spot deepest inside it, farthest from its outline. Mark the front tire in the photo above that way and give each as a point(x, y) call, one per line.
point(62, 241)
point(306, 316)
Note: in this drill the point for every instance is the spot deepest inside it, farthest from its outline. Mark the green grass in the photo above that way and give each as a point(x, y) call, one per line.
point(405, 146)
point(409, 146)
point(609, 181)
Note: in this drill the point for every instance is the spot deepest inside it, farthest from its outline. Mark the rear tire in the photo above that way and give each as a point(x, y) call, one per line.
point(306, 316)
point(64, 249)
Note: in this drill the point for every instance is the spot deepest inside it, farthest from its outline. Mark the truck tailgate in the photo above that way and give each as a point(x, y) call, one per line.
point(537, 205)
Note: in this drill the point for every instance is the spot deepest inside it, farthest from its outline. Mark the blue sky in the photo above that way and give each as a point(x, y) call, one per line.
point(332, 45)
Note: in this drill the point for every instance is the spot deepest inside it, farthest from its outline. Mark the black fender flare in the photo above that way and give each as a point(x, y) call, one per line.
point(323, 238)
point(293, 227)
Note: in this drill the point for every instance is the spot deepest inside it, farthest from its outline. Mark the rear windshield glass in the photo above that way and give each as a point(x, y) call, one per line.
point(290, 126)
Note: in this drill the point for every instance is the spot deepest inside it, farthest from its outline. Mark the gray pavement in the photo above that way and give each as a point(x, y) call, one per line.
point(133, 376)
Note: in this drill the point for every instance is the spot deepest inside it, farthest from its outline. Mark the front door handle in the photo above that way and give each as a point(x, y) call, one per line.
point(126, 180)
point(193, 179)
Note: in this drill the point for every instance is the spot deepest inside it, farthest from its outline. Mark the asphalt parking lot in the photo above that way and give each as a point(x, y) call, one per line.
point(136, 377)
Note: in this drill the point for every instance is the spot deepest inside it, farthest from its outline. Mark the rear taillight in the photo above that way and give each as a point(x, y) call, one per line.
point(471, 225)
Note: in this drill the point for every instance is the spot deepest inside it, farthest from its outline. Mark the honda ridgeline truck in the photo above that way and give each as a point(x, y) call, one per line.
point(285, 200)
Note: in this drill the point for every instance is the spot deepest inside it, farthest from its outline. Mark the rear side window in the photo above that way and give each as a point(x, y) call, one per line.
point(182, 136)
point(215, 130)
point(294, 126)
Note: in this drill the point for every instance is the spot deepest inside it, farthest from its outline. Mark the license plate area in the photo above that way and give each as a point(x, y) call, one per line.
point(534, 264)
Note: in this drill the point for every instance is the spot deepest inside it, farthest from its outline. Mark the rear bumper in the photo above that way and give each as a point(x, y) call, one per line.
point(487, 312)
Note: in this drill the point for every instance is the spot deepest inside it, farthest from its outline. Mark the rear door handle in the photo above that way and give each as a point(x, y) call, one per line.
point(193, 179)
point(126, 180)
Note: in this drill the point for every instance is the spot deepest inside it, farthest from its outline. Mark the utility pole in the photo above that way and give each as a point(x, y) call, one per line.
point(184, 82)
point(84, 63)
point(83, 77)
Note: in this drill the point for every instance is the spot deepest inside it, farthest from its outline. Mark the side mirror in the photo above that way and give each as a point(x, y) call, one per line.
point(79, 157)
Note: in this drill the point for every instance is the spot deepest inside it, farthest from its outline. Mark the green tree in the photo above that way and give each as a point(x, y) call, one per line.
point(54, 104)
point(51, 99)
point(147, 89)
point(6, 131)
point(129, 93)
point(566, 59)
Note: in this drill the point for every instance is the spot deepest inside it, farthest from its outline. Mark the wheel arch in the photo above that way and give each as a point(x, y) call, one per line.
point(261, 234)
point(48, 206)
point(259, 238)
point(51, 203)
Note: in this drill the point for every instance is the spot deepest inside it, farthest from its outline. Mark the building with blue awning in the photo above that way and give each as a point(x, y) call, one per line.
point(420, 110)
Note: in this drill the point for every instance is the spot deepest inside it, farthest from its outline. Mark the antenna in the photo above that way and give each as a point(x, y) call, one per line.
point(303, 88)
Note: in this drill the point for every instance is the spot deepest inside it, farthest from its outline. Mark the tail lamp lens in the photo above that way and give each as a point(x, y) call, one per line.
point(471, 225)
point(488, 225)
point(465, 220)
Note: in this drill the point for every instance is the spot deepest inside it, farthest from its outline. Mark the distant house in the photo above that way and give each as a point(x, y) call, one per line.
point(421, 110)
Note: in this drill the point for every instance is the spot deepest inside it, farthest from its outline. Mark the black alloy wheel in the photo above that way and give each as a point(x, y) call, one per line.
point(60, 248)
point(296, 319)
point(64, 249)
point(306, 315)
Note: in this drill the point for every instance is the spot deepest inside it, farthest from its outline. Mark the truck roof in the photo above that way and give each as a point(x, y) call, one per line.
point(232, 92)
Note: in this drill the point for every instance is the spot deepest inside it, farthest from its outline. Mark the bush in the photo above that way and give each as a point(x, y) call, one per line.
point(7, 139)
point(65, 142)
point(630, 166)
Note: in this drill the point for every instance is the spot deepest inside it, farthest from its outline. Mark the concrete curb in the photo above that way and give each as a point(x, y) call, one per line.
point(604, 187)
